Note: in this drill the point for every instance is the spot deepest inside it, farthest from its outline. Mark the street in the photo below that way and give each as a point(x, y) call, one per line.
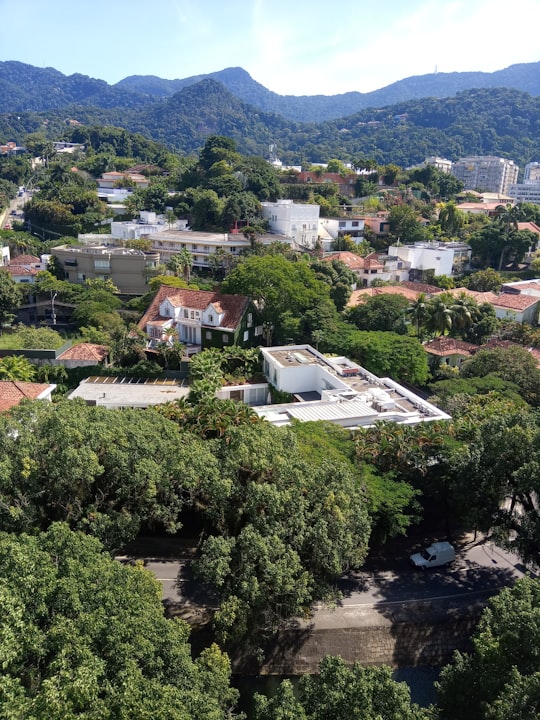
point(480, 569)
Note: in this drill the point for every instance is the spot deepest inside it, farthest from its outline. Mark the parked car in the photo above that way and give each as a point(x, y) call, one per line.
point(436, 555)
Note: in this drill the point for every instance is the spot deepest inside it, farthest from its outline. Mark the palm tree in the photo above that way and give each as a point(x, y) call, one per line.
point(439, 315)
point(417, 311)
point(508, 217)
point(451, 219)
point(16, 367)
point(465, 312)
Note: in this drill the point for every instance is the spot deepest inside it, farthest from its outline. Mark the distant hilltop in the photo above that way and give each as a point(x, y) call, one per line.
point(26, 88)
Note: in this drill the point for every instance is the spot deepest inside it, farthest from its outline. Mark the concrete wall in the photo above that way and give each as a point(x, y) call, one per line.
point(425, 634)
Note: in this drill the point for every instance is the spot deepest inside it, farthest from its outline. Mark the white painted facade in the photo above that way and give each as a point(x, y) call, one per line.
point(441, 258)
point(298, 222)
point(339, 390)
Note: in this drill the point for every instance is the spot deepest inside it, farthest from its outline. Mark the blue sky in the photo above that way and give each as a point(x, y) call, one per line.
point(299, 47)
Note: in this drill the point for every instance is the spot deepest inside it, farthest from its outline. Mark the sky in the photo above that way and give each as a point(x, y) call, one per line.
point(293, 47)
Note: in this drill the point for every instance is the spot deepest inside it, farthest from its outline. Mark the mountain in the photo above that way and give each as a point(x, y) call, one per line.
point(317, 108)
point(28, 88)
point(485, 121)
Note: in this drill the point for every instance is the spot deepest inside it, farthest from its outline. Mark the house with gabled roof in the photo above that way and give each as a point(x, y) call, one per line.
point(13, 392)
point(201, 319)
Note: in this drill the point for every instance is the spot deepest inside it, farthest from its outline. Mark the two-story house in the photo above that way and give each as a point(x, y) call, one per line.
point(201, 319)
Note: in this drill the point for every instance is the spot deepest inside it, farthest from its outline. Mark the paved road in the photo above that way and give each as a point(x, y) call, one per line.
point(480, 569)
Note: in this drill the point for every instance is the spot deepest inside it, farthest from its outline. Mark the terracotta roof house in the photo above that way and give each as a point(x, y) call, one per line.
point(14, 392)
point(83, 355)
point(25, 260)
point(201, 319)
point(375, 266)
point(511, 306)
point(24, 268)
point(450, 350)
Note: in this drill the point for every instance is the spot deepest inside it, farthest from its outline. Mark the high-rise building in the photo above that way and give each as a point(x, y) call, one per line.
point(532, 172)
point(486, 173)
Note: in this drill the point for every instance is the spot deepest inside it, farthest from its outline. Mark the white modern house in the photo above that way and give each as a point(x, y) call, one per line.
point(441, 258)
point(298, 222)
point(337, 390)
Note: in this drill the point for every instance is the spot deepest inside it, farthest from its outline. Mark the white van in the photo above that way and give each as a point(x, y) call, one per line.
point(436, 555)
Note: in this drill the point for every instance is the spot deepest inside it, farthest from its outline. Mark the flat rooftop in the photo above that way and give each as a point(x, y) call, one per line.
point(357, 397)
point(120, 392)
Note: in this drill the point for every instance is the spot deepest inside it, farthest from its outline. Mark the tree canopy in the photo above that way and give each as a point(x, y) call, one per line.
point(82, 635)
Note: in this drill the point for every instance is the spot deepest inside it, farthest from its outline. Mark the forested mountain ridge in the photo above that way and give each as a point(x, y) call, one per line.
point(26, 87)
point(491, 121)
point(317, 108)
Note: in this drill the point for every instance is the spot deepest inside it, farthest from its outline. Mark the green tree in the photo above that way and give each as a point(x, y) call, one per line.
point(451, 219)
point(499, 679)
point(380, 312)
point(514, 364)
point(278, 286)
point(103, 472)
point(488, 280)
point(389, 355)
point(342, 693)
point(265, 563)
point(181, 262)
point(10, 298)
point(82, 635)
point(404, 224)
point(16, 367)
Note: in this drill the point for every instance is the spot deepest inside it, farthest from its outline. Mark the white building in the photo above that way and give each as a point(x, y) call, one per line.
point(486, 172)
point(532, 172)
point(337, 390)
point(441, 258)
point(299, 223)
point(338, 227)
point(525, 192)
point(148, 224)
point(202, 245)
point(441, 164)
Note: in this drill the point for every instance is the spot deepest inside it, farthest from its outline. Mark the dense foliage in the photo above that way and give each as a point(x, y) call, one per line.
point(500, 678)
point(491, 121)
point(341, 693)
point(83, 636)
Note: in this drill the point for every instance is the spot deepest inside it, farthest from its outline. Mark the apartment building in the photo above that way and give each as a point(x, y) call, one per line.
point(486, 172)
point(531, 172)
point(128, 269)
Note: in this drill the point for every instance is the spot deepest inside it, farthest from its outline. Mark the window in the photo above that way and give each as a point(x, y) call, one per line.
point(102, 264)
point(81, 276)
point(258, 330)
point(225, 339)
point(246, 335)
point(250, 320)
point(186, 313)
point(210, 318)
point(208, 335)
point(192, 314)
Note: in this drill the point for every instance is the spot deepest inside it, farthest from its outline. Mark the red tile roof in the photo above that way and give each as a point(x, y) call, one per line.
point(21, 270)
point(443, 346)
point(421, 287)
point(25, 260)
point(533, 227)
point(13, 392)
point(351, 260)
point(515, 302)
point(234, 306)
point(85, 351)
